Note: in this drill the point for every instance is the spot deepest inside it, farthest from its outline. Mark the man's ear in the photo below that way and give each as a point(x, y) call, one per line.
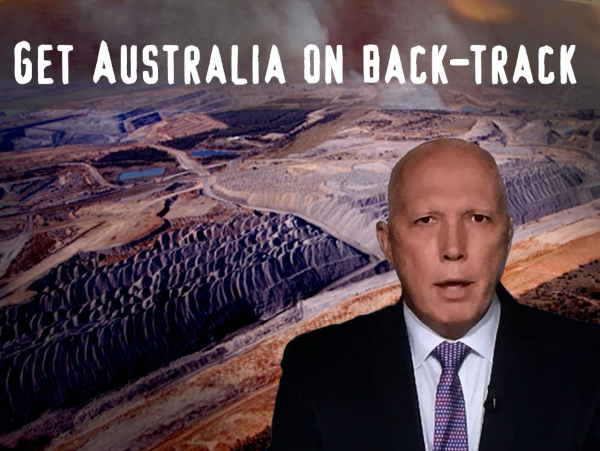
point(511, 232)
point(383, 236)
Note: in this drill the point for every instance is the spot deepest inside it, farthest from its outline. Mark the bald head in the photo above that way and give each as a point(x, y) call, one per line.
point(444, 153)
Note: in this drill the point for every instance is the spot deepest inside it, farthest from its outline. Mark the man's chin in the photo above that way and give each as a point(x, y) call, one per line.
point(454, 327)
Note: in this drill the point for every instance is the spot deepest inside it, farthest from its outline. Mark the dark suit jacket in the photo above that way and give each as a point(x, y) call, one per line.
point(351, 386)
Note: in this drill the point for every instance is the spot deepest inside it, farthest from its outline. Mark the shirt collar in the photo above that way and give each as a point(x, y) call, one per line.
point(480, 338)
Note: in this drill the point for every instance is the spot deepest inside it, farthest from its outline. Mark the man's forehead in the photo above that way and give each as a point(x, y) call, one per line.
point(442, 155)
point(445, 171)
point(453, 191)
point(440, 172)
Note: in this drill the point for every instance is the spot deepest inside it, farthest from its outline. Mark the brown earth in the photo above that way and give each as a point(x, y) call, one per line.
point(318, 134)
point(243, 378)
point(527, 274)
point(183, 125)
point(575, 294)
point(36, 249)
point(248, 416)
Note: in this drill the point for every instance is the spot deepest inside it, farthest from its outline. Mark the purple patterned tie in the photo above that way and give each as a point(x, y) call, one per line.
point(450, 431)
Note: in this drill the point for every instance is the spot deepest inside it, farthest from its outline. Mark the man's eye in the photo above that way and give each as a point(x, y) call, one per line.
point(424, 220)
point(479, 218)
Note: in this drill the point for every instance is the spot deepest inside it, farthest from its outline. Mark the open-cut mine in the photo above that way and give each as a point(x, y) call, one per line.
point(154, 261)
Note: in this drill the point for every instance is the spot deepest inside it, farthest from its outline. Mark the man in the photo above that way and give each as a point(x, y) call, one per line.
point(457, 364)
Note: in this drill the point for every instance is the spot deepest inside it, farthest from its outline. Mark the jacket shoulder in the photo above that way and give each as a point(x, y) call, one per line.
point(338, 342)
point(561, 332)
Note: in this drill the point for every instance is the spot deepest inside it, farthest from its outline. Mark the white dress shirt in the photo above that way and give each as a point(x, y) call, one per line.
point(474, 373)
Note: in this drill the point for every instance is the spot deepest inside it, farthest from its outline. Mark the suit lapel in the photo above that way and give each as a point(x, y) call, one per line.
point(512, 354)
point(395, 393)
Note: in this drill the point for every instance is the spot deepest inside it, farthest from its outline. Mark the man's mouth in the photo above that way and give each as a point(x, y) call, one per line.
point(454, 289)
point(451, 283)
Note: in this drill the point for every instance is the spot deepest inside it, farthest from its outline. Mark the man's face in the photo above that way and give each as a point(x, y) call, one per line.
point(448, 238)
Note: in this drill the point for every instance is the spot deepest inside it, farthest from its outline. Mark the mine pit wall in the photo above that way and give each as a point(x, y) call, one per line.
point(537, 189)
point(278, 201)
point(92, 327)
point(534, 188)
point(356, 217)
point(345, 218)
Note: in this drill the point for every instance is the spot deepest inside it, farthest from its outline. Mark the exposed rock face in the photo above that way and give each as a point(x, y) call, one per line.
point(348, 202)
point(355, 216)
point(539, 189)
point(358, 198)
point(92, 327)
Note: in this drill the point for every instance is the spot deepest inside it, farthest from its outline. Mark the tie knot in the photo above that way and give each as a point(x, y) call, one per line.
point(451, 355)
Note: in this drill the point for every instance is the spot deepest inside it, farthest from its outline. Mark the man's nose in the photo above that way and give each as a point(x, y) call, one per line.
point(453, 242)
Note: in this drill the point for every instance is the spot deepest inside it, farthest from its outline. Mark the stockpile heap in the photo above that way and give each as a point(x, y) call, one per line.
point(539, 188)
point(92, 327)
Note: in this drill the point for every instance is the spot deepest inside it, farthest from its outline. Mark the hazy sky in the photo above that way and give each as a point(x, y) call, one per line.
point(292, 24)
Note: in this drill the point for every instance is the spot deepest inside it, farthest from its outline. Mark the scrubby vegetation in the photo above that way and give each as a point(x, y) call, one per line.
point(138, 156)
point(575, 294)
point(253, 122)
point(257, 442)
